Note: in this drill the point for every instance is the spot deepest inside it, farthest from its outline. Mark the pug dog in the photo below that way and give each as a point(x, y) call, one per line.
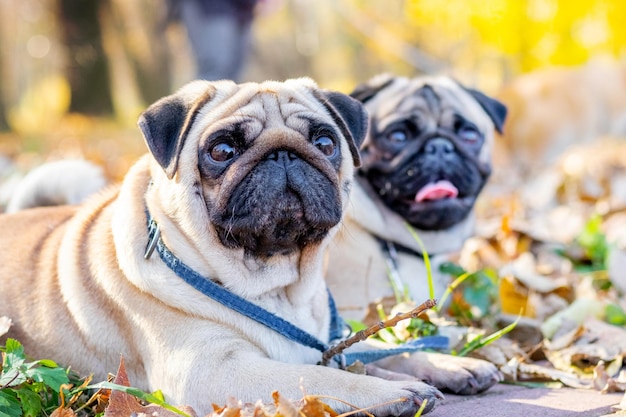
point(223, 224)
point(425, 161)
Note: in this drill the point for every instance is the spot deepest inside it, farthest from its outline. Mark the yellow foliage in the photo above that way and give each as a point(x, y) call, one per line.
point(529, 33)
point(514, 298)
point(41, 107)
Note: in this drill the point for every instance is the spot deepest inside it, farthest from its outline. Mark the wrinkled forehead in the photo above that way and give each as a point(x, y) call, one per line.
point(438, 99)
point(257, 107)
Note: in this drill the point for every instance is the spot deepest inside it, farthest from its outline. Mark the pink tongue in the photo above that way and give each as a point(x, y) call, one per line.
point(437, 191)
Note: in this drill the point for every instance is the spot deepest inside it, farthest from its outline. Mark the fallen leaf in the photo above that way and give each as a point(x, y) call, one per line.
point(597, 342)
point(575, 313)
point(604, 382)
point(236, 408)
point(313, 407)
point(284, 407)
point(122, 404)
point(524, 269)
point(517, 370)
point(63, 412)
point(232, 409)
point(513, 297)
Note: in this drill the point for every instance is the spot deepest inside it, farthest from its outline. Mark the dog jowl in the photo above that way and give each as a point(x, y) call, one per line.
point(428, 154)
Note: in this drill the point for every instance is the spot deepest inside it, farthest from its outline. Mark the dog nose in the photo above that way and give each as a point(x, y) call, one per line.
point(284, 156)
point(439, 146)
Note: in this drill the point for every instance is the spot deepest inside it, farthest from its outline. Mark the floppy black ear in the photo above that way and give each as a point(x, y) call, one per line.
point(366, 91)
point(351, 117)
point(494, 108)
point(165, 125)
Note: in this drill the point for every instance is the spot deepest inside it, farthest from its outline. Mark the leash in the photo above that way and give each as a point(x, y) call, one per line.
point(283, 327)
point(392, 249)
point(390, 252)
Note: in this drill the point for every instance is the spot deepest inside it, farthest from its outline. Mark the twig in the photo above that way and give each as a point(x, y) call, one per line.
point(365, 333)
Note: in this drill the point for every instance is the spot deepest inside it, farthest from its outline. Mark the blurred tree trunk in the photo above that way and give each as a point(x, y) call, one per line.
point(142, 25)
point(120, 47)
point(135, 44)
point(86, 62)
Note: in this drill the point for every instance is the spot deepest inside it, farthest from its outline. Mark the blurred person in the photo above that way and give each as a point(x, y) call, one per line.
point(219, 34)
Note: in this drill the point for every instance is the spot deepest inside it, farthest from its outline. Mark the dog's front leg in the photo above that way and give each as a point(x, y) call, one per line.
point(455, 374)
point(249, 377)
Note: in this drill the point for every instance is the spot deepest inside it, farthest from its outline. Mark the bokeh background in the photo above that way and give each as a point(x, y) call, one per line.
point(75, 74)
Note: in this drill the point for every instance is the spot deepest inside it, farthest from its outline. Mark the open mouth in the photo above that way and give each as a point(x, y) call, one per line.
point(435, 206)
point(435, 191)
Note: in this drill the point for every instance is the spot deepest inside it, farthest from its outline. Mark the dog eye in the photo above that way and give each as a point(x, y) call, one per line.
point(397, 136)
point(469, 134)
point(222, 152)
point(325, 144)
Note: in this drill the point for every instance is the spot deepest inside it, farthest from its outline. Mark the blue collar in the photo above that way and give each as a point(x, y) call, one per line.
point(231, 300)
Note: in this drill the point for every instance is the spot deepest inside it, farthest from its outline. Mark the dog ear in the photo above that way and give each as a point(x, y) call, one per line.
point(366, 91)
point(494, 108)
point(165, 125)
point(351, 117)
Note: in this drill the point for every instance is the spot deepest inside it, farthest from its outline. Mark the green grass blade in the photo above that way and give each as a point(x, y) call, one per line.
point(458, 281)
point(484, 341)
point(429, 271)
point(421, 409)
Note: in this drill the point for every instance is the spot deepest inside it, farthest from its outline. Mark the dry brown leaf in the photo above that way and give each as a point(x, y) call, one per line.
point(517, 370)
point(227, 411)
point(63, 412)
point(313, 407)
point(564, 338)
point(524, 269)
point(605, 382)
point(284, 407)
point(514, 297)
point(575, 314)
point(597, 342)
point(124, 405)
point(236, 408)
point(372, 316)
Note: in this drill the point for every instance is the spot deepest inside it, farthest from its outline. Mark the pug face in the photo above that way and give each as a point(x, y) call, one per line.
point(279, 188)
point(272, 166)
point(428, 151)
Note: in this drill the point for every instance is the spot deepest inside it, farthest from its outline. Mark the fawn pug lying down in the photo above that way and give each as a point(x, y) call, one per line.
point(242, 190)
point(426, 159)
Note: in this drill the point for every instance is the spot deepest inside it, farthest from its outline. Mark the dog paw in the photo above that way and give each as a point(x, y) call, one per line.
point(414, 394)
point(459, 375)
